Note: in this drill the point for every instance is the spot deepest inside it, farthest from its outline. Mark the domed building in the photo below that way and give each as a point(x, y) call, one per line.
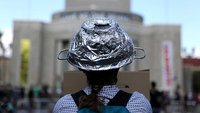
point(43, 41)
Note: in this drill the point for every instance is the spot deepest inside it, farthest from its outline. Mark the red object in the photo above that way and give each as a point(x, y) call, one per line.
point(191, 61)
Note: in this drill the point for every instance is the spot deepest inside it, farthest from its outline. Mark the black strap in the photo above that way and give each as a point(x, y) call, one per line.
point(77, 95)
point(120, 99)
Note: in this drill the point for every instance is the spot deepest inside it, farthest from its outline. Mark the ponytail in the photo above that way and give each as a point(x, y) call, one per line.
point(96, 80)
point(91, 101)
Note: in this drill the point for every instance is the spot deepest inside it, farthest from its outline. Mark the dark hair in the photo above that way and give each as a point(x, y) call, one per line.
point(153, 84)
point(96, 80)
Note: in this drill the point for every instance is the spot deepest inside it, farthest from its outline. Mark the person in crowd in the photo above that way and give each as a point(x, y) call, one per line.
point(156, 98)
point(6, 105)
point(31, 99)
point(99, 50)
point(177, 94)
point(44, 92)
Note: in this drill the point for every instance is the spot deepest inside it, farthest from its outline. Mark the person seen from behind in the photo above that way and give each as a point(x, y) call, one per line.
point(99, 50)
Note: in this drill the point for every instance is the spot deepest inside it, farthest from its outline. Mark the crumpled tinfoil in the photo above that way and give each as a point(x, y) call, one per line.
point(100, 45)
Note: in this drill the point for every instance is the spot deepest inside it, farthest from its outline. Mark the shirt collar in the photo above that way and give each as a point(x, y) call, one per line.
point(108, 91)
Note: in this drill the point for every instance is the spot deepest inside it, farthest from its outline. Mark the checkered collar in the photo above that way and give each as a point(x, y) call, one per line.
point(108, 91)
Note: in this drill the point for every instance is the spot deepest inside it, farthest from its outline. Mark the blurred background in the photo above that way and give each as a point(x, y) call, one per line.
point(32, 32)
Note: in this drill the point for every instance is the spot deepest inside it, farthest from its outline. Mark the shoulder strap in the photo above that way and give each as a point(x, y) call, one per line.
point(77, 95)
point(120, 99)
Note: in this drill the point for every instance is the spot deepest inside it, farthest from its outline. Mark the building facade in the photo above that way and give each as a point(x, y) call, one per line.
point(4, 70)
point(45, 40)
point(191, 72)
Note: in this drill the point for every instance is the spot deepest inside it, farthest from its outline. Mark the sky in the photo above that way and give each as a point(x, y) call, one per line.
point(178, 12)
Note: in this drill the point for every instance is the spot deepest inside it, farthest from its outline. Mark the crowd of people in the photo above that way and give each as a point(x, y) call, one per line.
point(14, 98)
point(8, 98)
point(162, 101)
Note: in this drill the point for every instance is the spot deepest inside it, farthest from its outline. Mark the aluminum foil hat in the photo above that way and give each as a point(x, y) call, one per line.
point(100, 45)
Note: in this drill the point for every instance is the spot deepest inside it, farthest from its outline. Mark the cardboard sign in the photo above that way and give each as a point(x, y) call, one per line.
point(127, 81)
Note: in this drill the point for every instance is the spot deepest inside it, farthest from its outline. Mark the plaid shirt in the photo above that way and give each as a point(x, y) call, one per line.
point(136, 104)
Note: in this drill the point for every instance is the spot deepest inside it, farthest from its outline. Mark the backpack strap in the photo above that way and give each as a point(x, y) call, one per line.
point(77, 95)
point(120, 99)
